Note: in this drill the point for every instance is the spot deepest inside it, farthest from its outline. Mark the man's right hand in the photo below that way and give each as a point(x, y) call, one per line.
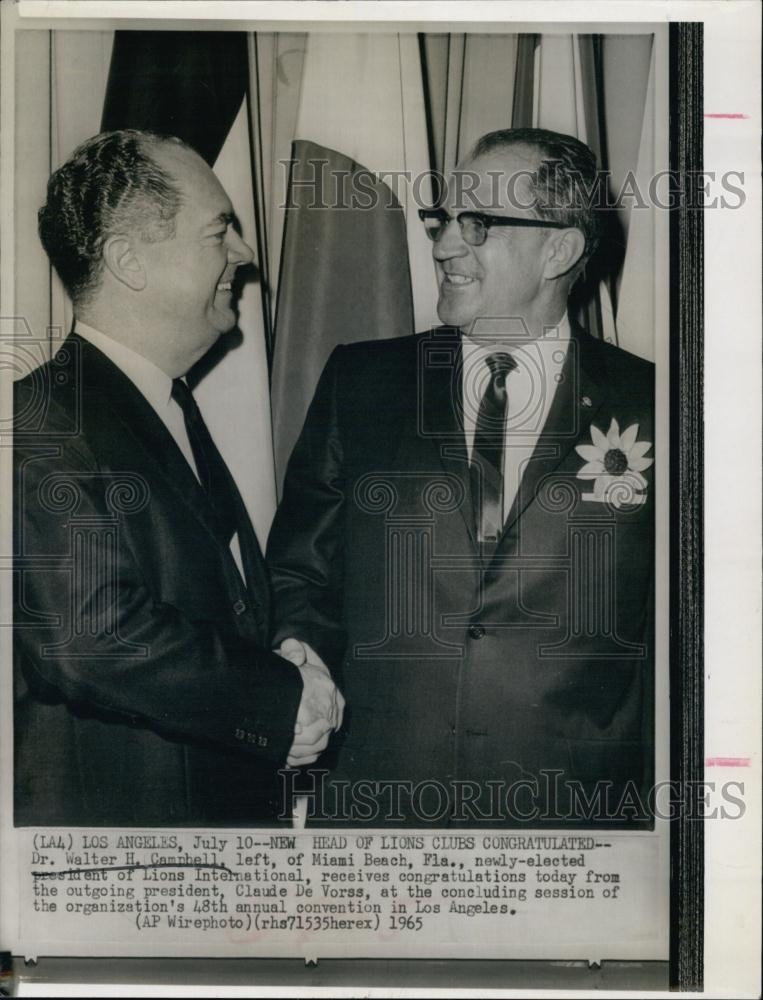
point(320, 710)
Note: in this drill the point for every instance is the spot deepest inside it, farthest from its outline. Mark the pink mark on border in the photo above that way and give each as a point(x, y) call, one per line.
point(727, 762)
point(735, 114)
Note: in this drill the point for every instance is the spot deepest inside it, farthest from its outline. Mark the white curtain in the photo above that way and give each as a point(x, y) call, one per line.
point(61, 83)
point(626, 115)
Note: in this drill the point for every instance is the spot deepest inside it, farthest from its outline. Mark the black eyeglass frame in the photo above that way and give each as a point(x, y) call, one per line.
point(486, 221)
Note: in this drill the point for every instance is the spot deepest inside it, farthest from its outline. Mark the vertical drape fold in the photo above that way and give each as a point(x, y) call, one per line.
point(352, 240)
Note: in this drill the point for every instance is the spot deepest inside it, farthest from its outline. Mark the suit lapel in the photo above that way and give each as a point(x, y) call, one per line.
point(577, 400)
point(102, 380)
point(257, 579)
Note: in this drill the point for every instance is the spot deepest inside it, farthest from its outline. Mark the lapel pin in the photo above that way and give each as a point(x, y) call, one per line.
point(586, 401)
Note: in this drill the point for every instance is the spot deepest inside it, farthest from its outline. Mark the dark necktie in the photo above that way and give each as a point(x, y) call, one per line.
point(214, 476)
point(487, 453)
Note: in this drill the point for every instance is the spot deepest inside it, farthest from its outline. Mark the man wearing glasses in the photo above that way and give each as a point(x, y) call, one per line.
point(466, 530)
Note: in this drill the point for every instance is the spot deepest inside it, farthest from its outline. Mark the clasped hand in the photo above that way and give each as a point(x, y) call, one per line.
point(321, 708)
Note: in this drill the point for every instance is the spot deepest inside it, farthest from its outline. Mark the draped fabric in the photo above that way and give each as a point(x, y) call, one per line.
point(189, 85)
point(355, 263)
point(62, 76)
point(259, 105)
point(597, 88)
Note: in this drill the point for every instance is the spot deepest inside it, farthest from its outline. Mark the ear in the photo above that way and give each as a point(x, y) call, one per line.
point(565, 248)
point(121, 260)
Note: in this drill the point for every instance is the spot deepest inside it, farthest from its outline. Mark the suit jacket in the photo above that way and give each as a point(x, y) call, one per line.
point(530, 667)
point(144, 692)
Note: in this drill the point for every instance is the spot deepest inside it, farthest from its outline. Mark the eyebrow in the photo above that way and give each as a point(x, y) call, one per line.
point(224, 217)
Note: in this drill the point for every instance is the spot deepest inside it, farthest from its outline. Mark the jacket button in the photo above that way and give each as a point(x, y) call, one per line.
point(476, 631)
point(239, 608)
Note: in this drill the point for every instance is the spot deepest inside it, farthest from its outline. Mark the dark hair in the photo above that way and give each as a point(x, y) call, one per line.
point(110, 183)
point(565, 183)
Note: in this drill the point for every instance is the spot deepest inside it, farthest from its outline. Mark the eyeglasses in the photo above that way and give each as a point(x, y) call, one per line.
point(475, 225)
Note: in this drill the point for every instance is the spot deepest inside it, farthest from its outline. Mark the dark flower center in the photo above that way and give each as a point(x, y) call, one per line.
point(615, 462)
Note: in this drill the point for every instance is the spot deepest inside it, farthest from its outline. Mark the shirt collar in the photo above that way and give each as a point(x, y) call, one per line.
point(151, 381)
point(554, 339)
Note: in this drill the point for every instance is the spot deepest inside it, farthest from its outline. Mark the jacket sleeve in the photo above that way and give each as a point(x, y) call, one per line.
point(91, 633)
point(305, 548)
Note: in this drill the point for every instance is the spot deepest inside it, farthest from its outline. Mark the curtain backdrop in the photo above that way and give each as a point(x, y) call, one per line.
point(358, 271)
point(61, 83)
point(260, 106)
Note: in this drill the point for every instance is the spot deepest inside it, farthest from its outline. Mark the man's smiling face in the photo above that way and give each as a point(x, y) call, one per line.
point(189, 274)
point(503, 277)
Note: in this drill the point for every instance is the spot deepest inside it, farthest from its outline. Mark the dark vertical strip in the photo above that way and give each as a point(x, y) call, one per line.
point(524, 82)
point(460, 115)
point(600, 105)
point(686, 539)
point(613, 233)
point(184, 83)
point(591, 92)
point(585, 301)
point(426, 85)
point(610, 258)
point(445, 117)
point(258, 190)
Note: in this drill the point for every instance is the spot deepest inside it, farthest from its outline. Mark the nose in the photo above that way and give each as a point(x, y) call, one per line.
point(451, 243)
point(239, 252)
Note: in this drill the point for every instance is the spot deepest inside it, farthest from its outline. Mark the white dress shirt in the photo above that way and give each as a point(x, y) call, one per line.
point(530, 389)
point(156, 387)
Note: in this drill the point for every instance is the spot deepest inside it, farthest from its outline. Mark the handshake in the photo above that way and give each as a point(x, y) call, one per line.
point(321, 708)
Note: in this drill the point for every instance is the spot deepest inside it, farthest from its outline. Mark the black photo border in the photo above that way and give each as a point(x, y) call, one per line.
point(686, 502)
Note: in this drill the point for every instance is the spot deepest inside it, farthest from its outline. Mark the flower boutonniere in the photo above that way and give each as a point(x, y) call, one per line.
point(615, 462)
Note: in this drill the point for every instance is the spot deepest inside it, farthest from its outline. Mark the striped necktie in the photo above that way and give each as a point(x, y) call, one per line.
point(486, 466)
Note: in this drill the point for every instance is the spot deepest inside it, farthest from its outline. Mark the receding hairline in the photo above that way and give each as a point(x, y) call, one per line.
point(175, 157)
point(533, 154)
point(166, 150)
point(522, 170)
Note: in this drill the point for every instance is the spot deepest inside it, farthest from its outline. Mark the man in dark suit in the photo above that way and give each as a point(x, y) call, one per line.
point(145, 693)
point(466, 529)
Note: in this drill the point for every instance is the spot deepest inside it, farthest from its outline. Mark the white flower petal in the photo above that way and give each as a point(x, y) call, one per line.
point(599, 439)
point(628, 438)
point(639, 449)
point(639, 464)
point(590, 452)
point(591, 470)
point(613, 434)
